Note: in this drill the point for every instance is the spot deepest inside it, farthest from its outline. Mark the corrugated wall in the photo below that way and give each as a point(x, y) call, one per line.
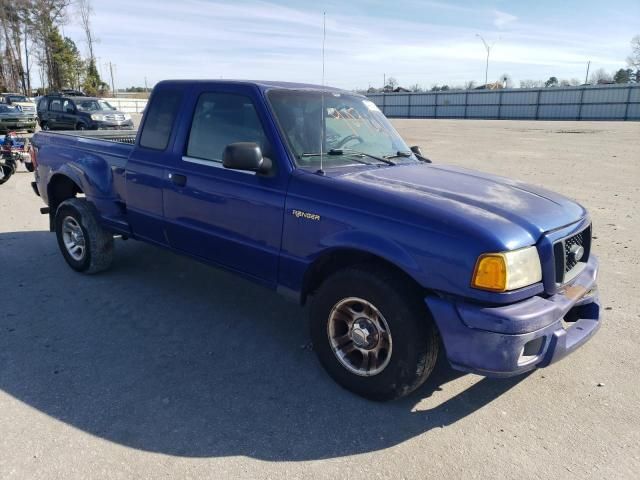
point(604, 102)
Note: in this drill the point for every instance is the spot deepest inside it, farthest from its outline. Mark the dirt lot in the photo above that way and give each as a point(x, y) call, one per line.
point(164, 368)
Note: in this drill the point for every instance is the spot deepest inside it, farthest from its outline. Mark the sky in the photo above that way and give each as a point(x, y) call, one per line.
point(415, 41)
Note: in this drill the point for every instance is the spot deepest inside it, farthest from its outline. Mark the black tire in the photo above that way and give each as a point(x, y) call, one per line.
point(414, 337)
point(44, 126)
point(31, 130)
point(81, 126)
point(29, 167)
point(98, 242)
point(7, 172)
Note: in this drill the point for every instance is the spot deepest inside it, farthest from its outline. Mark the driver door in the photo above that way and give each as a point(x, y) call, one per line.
point(228, 217)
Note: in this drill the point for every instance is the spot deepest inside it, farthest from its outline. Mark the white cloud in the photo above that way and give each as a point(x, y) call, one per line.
point(502, 19)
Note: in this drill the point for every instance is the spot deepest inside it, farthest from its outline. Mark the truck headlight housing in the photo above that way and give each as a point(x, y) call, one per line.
point(99, 117)
point(127, 117)
point(504, 271)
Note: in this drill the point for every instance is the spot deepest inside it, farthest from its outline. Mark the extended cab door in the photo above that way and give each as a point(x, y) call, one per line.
point(229, 217)
point(146, 172)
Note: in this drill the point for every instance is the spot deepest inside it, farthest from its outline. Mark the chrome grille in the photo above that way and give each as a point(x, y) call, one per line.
point(114, 117)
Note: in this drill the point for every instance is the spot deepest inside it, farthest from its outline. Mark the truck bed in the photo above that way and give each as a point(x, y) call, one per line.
point(101, 155)
point(117, 136)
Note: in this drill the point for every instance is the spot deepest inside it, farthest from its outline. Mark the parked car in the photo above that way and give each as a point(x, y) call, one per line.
point(12, 118)
point(18, 100)
point(61, 112)
point(311, 192)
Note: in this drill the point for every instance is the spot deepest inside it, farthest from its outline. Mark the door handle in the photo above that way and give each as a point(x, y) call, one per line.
point(179, 180)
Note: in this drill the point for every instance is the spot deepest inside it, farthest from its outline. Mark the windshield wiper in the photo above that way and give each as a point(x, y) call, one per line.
point(348, 151)
point(333, 152)
point(398, 154)
point(380, 159)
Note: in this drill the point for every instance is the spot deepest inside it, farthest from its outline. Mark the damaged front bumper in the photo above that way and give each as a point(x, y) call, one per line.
point(512, 339)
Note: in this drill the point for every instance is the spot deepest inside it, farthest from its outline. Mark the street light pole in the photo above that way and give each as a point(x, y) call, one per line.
point(488, 48)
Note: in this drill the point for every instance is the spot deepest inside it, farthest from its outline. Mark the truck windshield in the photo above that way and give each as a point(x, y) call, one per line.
point(17, 98)
point(353, 131)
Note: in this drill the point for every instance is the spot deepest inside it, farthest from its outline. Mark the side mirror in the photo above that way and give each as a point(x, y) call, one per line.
point(418, 153)
point(245, 156)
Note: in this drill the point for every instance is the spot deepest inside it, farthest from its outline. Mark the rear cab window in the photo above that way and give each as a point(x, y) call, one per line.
point(160, 116)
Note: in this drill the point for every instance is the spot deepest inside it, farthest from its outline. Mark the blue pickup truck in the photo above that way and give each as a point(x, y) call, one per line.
point(311, 192)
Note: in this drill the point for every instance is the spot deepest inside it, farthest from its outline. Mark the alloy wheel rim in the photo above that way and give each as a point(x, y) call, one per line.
point(359, 336)
point(73, 238)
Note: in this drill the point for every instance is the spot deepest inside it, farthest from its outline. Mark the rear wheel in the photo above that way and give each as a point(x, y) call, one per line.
point(84, 244)
point(44, 126)
point(372, 333)
point(80, 126)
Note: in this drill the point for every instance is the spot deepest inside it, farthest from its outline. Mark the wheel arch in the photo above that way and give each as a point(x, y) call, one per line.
point(338, 258)
point(61, 187)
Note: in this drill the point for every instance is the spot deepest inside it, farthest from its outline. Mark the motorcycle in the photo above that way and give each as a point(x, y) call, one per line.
point(13, 149)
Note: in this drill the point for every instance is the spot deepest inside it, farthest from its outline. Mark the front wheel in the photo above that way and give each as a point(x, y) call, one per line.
point(85, 245)
point(372, 333)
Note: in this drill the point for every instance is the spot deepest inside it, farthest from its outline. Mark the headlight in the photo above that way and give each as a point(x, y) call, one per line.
point(500, 272)
point(127, 116)
point(98, 117)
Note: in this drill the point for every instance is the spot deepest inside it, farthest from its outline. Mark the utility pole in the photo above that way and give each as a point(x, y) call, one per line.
point(488, 48)
point(146, 89)
point(586, 77)
point(113, 85)
point(384, 80)
point(26, 58)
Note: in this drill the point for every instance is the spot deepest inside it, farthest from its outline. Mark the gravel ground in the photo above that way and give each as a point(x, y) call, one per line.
point(163, 367)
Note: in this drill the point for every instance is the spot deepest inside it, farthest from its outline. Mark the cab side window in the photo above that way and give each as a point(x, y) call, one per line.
point(55, 105)
point(68, 105)
point(221, 119)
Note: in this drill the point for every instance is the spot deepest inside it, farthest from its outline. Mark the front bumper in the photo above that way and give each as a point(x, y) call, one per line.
point(124, 125)
point(19, 125)
point(512, 339)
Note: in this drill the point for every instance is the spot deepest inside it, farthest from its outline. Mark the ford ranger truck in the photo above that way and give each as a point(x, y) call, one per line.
point(311, 192)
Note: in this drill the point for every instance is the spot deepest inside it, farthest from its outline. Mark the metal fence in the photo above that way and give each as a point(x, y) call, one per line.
point(128, 105)
point(601, 102)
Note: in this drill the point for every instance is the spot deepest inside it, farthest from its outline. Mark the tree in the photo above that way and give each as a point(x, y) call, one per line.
point(93, 84)
point(634, 59)
point(506, 80)
point(392, 82)
point(45, 16)
point(469, 85)
point(600, 76)
point(552, 82)
point(623, 75)
point(415, 88)
point(86, 10)
point(531, 83)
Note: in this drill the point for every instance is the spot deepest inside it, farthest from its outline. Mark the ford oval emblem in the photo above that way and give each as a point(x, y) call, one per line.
point(576, 252)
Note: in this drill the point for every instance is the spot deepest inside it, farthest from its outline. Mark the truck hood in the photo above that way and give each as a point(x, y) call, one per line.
point(482, 195)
